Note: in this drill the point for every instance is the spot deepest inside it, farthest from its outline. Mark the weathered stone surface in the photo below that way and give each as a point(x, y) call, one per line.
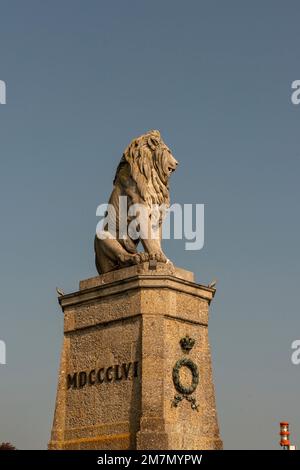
point(135, 315)
point(142, 177)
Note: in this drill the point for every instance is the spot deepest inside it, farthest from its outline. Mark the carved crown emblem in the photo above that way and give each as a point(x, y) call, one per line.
point(187, 343)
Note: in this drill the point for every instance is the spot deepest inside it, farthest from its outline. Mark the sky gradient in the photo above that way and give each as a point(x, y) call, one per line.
point(83, 79)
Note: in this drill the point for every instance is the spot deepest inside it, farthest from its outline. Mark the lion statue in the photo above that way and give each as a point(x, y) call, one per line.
point(142, 181)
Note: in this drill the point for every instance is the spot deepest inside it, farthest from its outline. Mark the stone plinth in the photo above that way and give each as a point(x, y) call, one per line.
point(120, 383)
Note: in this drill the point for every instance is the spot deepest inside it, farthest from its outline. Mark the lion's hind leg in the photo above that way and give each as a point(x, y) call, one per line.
point(111, 255)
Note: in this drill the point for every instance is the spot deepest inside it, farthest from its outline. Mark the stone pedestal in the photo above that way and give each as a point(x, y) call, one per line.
point(131, 376)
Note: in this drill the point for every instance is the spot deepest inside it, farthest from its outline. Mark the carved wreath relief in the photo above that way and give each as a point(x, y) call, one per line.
point(184, 392)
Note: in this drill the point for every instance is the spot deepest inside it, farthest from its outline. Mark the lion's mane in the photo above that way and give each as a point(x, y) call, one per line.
point(146, 155)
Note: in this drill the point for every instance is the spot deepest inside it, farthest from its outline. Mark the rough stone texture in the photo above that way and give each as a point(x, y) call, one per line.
point(136, 314)
point(142, 177)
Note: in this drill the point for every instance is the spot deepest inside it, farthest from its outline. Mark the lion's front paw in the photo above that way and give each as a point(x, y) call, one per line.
point(159, 257)
point(141, 257)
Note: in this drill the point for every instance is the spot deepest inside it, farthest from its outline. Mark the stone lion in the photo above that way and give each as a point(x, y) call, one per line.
point(143, 177)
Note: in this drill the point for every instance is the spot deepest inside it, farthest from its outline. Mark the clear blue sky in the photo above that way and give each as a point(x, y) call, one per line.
point(83, 79)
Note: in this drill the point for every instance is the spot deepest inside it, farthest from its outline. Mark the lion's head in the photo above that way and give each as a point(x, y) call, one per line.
point(151, 164)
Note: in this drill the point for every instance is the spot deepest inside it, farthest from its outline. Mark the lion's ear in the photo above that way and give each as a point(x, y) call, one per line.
point(154, 139)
